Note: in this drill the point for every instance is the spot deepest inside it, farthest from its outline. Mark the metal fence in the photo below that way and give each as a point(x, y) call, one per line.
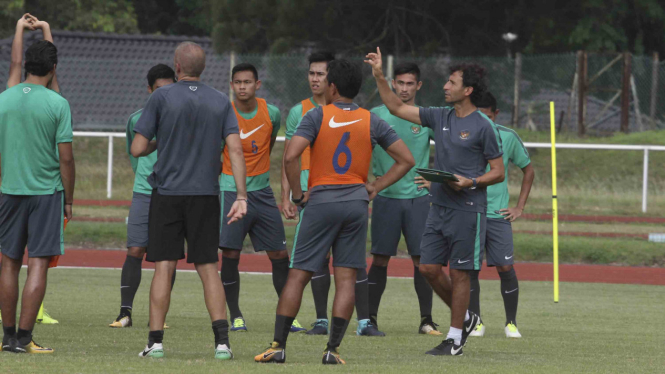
point(643, 148)
point(104, 92)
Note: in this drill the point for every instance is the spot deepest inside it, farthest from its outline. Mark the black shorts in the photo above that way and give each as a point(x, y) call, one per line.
point(174, 219)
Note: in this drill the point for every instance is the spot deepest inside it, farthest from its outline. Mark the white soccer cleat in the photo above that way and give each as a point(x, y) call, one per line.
point(512, 332)
point(156, 351)
point(479, 330)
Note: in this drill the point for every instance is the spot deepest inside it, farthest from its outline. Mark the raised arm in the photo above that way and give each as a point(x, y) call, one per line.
point(239, 208)
point(393, 103)
point(46, 30)
point(16, 65)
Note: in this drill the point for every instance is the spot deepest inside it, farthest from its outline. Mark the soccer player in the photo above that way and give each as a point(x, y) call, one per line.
point(190, 120)
point(259, 123)
point(137, 225)
point(30, 22)
point(318, 69)
point(499, 240)
point(341, 136)
point(38, 175)
point(402, 207)
point(455, 227)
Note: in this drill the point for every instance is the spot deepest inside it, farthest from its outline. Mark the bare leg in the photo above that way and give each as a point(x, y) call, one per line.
point(160, 293)
point(461, 294)
point(33, 291)
point(440, 282)
point(9, 290)
point(291, 298)
point(213, 291)
point(345, 292)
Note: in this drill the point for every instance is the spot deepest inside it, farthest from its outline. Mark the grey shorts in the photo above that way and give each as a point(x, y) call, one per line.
point(499, 242)
point(340, 225)
point(454, 236)
point(392, 217)
point(263, 223)
point(35, 221)
point(137, 222)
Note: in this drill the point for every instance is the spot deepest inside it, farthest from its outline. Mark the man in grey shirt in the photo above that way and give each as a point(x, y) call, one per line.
point(455, 228)
point(189, 120)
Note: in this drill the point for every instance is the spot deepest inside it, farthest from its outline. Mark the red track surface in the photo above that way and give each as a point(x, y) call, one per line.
point(402, 267)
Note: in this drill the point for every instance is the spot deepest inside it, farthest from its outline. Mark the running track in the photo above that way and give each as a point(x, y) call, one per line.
point(403, 267)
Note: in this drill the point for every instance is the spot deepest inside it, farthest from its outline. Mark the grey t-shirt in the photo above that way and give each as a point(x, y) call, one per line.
point(463, 146)
point(380, 133)
point(190, 121)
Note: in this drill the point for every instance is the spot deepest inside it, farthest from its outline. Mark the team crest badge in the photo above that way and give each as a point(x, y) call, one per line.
point(27, 89)
point(193, 88)
point(464, 135)
point(415, 129)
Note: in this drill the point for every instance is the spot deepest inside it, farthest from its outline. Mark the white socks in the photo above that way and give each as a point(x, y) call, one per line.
point(455, 334)
point(466, 317)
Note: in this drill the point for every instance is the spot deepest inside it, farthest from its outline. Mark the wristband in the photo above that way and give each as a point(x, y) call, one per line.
point(475, 183)
point(298, 201)
point(245, 200)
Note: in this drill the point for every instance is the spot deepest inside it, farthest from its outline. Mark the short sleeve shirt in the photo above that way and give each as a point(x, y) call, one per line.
point(463, 147)
point(380, 133)
point(514, 152)
point(142, 166)
point(190, 120)
point(33, 121)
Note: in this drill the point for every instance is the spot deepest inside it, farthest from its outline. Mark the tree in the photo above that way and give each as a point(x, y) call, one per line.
point(174, 17)
point(85, 15)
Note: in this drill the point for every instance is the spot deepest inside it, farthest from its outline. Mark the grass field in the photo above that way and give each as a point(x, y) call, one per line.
point(593, 329)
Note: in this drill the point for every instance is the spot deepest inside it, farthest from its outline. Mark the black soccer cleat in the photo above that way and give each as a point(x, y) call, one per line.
point(446, 348)
point(8, 343)
point(469, 326)
point(320, 327)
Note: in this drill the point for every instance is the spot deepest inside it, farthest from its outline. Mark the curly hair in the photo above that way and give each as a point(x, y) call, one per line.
point(474, 76)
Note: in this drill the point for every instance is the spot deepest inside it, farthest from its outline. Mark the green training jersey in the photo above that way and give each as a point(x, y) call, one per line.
point(417, 139)
point(515, 152)
point(257, 182)
point(142, 166)
point(292, 122)
point(33, 121)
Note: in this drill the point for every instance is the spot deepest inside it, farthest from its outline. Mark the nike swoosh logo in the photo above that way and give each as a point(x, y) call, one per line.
point(334, 124)
point(511, 291)
point(226, 284)
point(284, 242)
point(454, 351)
point(468, 329)
point(146, 351)
point(446, 129)
point(507, 258)
point(462, 262)
point(268, 354)
point(247, 135)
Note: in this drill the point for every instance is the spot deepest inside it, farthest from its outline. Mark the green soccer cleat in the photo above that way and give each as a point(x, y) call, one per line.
point(239, 324)
point(512, 331)
point(223, 352)
point(154, 351)
point(479, 330)
point(44, 318)
point(297, 327)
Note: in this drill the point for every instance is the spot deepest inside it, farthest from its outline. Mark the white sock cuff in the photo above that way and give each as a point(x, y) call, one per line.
point(466, 317)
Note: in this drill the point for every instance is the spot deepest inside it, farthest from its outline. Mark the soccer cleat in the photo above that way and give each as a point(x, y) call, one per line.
point(511, 331)
point(123, 320)
point(428, 327)
point(479, 330)
point(446, 348)
point(31, 347)
point(154, 351)
point(297, 327)
point(331, 357)
point(44, 318)
point(366, 328)
point(223, 352)
point(320, 327)
point(469, 326)
point(274, 353)
point(239, 324)
point(7, 343)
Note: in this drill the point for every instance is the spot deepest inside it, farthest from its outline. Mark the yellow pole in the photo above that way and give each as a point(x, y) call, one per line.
point(555, 208)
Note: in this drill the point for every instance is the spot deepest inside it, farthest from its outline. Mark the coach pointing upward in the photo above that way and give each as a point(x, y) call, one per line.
point(190, 120)
point(455, 227)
